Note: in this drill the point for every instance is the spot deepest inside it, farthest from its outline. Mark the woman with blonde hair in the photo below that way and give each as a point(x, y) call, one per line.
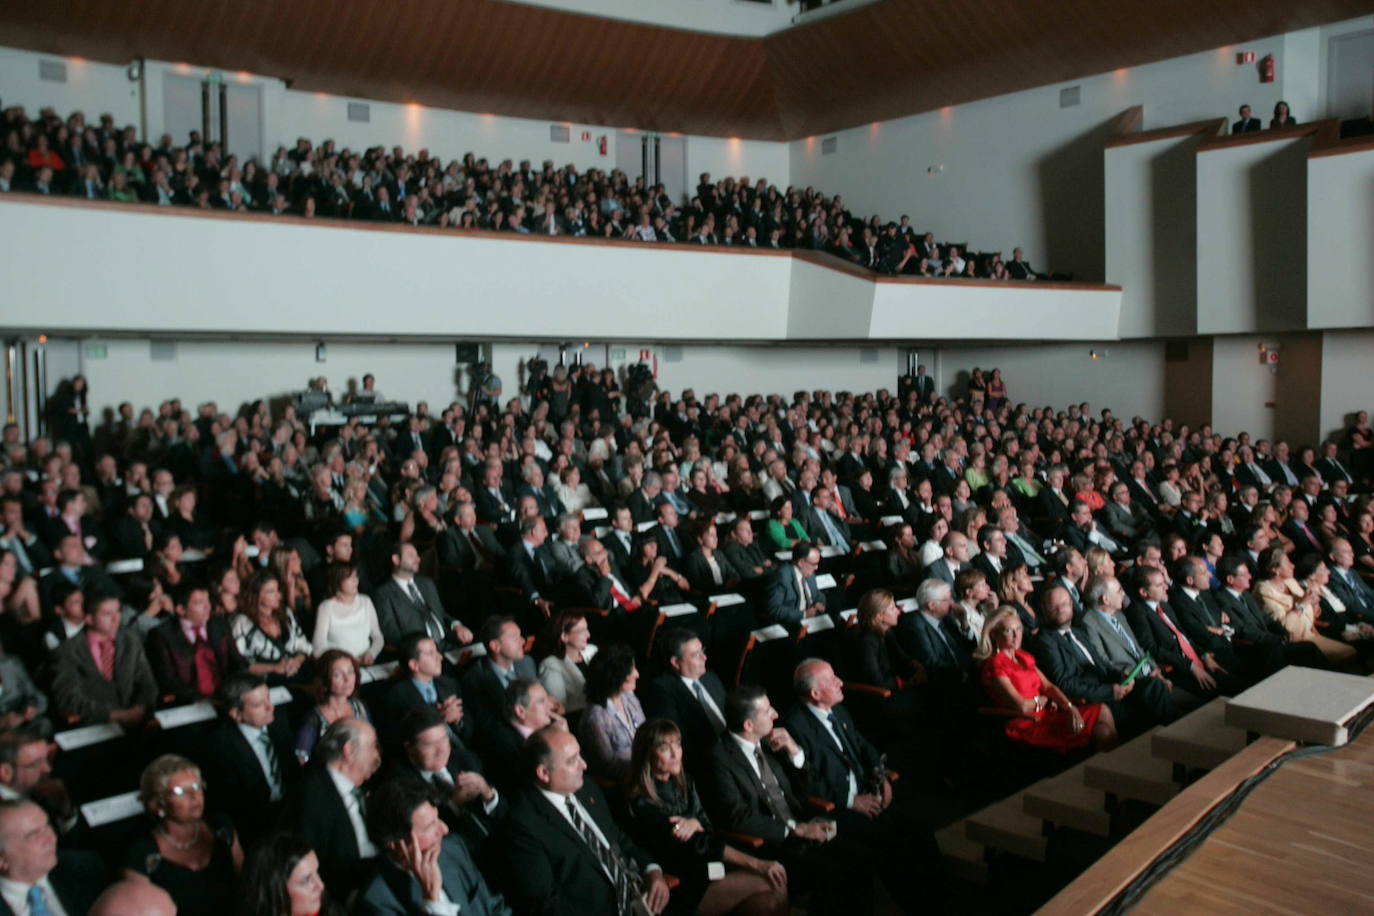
point(1040, 714)
point(1296, 605)
point(192, 857)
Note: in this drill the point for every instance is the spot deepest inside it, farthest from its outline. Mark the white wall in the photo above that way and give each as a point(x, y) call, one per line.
point(92, 88)
point(1127, 376)
point(1340, 238)
point(722, 156)
point(729, 17)
point(1151, 234)
point(1243, 387)
point(149, 269)
point(1019, 170)
point(1347, 386)
point(1252, 236)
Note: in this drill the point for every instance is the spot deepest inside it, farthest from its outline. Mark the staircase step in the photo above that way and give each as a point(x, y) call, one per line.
point(1007, 827)
point(1200, 740)
point(1066, 801)
point(964, 859)
point(1133, 771)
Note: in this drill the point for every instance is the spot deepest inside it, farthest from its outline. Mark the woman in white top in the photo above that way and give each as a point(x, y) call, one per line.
point(572, 492)
point(347, 620)
point(930, 548)
point(563, 672)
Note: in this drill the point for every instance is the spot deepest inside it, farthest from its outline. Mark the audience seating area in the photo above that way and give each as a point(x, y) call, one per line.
point(50, 156)
point(977, 619)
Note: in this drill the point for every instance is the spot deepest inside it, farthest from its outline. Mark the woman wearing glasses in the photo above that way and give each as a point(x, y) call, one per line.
point(192, 857)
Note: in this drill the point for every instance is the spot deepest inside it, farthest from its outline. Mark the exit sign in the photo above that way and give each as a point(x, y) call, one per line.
point(617, 354)
point(95, 351)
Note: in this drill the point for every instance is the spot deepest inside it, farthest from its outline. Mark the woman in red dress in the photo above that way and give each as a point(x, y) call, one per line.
point(1046, 717)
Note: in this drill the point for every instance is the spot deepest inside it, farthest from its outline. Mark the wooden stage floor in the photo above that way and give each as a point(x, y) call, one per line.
point(1302, 843)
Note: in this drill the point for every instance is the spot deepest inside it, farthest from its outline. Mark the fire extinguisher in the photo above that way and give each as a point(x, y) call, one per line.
point(1266, 69)
point(601, 144)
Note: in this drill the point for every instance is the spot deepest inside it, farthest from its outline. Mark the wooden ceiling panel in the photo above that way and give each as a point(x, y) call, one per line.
point(883, 60)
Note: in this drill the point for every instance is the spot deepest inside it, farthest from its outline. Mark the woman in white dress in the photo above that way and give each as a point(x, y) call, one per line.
point(347, 620)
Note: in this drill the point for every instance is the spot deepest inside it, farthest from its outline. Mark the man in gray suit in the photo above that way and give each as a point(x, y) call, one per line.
point(565, 548)
point(792, 591)
point(955, 545)
point(423, 870)
point(1124, 520)
point(101, 674)
point(1110, 634)
point(409, 603)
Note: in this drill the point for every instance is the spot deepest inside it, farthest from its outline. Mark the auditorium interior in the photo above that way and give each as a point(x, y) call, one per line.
point(694, 456)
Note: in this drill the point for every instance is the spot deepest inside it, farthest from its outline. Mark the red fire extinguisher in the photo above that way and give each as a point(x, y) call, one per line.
point(601, 144)
point(1266, 69)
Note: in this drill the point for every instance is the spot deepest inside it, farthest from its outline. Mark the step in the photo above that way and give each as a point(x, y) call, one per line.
point(1133, 771)
point(1007, 827)
point(1066, 801)
point(964, 859)
point(1200, 740)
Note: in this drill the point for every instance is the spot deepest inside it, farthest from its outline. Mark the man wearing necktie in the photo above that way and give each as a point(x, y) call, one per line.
point(669, 538)
point(793, 595)
point(563, 852)
point(1064, 654)
point(34, 877)
point(1112, 639)
point(1347, 586)
point(825, 527)
point(469, 804)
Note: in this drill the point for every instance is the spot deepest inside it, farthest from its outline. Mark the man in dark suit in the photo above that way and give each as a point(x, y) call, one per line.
point(328, 809)
point(1246, 124)
point(1064, 653)
point(28, 548)
point(134, 533)
point(192, 653)
point(793, 595)
point(423, 685)
point(1019, 268)
point(749, 791)
point(1329, 466)
point(248, 758)
point(1207, 627)
point(1052, 503)
point(641, 502)
point(707, 568)
point(821, 524)
point(744, 553)
point(71, 519)
point(550, 506)
point(102, 673)
point(409, 603)
point(467, 803)
point(688, 695)
point(1251, 623)
point(530, 567)
point(494, 501)
point(565, 855)
point(421, 868)
point(926, 637)
point(469, 548)
point(73, 568)
point(672, 545)
point(1161, 634)
point(485, 683)
point(1348, 587)
point(844, 769)
point(947, 567)
point(923, 385)
point(620, 540)
point(35, 873)
point(1296, 529)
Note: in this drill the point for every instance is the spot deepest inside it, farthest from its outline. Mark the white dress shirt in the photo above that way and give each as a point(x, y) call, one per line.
point(345, 788)
point(824, 716)
point(16, 895)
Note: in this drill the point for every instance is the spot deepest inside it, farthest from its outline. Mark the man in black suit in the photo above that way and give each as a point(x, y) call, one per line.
point(423, 685)
point(328, 809)
point(1160, 632)
point(926, 637)
point(793, 595)
point(1065, 654)
point(923, 385)
point(1246, 124)
point(1351, 590)
point(34, 874)
point(72, 567)
point(1251, 623)
point(565, 855)
point(672, 545)
point(468, 804)
point(471, 557)
point(641, 501)
point(134, 533)
point(1052, 503)
point(749, 791)
point(485, 683)
point(688, 695)
point(620, 540)
point(744, 553)
point(421, 869)
point(847, 771)
point(29, 550)
point(1329, 466)
point(248, 758)
point(494, 501)
point(1207, 627)
point(1019, 268)
point(409, 603)
point(530, 567)
point(192, 653)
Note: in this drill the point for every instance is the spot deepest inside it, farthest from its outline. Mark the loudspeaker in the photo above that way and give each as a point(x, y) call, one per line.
point(467, 353)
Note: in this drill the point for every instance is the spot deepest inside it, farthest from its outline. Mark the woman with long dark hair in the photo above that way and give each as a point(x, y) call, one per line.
point(282, 878)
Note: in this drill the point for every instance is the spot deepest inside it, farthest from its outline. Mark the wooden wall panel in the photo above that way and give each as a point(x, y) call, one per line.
point(881, 61)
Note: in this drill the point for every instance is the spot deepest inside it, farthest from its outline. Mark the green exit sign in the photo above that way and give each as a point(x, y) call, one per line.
point(96, 351)
point(617, 354)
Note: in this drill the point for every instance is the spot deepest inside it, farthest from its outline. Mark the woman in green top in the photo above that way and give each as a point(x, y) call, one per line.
point(976, 473)
point(1026, 484)
point(784, 530)
point(120, 190)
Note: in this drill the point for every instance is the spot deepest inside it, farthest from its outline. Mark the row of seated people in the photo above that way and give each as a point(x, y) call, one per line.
point(48, 155)
point(260, 610)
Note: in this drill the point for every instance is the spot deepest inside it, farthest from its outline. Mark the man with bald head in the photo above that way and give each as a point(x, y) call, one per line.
point(134, 897)
point(564, 853)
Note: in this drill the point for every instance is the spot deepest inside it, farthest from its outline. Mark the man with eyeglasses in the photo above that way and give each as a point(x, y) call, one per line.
point(793, 595)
